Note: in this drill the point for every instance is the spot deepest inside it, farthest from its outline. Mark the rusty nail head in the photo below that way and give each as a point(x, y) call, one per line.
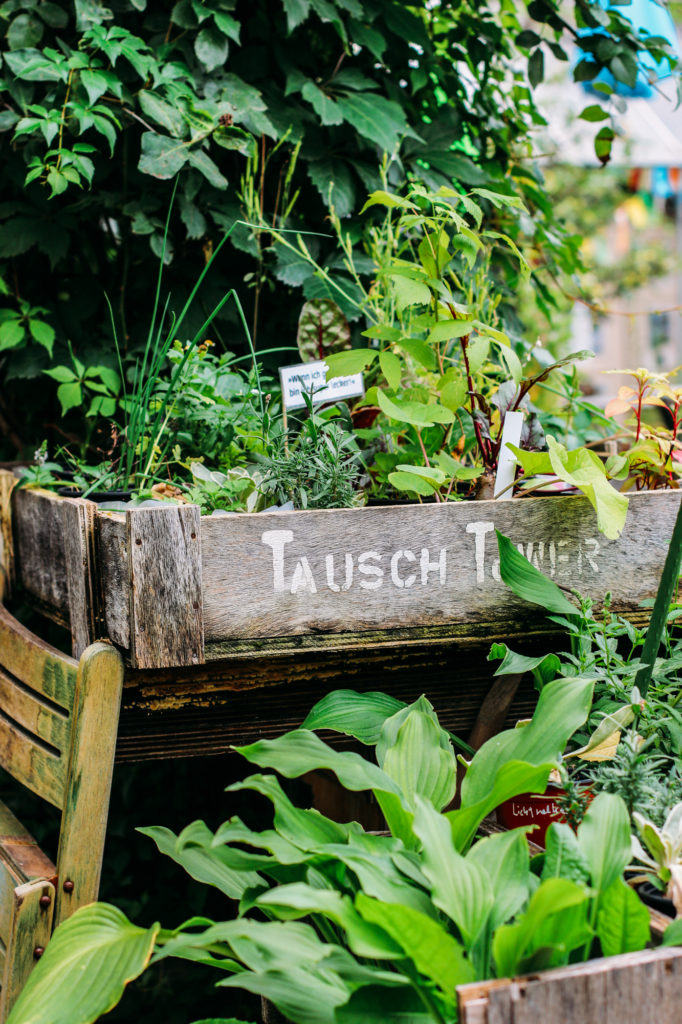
point(45, 901)
point(38, 952)
point(138, 541)
point(68, 886)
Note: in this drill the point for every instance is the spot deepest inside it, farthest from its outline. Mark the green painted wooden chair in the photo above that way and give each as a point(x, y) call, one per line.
point(58, 723)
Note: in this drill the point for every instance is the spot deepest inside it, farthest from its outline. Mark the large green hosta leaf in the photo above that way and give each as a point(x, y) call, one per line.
point(434, 952)
point(622, 920)
point(519, 760)
point(419, 756)
point(459, 887)
point(360, 715)
point(213, 867)
point(514, 944)
point(90, 959)
point(604, 840)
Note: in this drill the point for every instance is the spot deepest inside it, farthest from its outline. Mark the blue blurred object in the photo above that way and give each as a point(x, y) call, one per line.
point(661, 185)
point(648, 18)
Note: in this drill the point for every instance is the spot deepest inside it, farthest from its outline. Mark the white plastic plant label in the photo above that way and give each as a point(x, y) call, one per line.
point(506, 464)
point(309, 378)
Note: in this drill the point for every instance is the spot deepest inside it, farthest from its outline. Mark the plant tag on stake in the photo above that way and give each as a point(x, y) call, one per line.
point(506, 465)
point(310, 379)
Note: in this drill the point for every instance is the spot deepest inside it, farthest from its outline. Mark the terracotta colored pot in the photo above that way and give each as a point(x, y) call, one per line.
point(539, 809)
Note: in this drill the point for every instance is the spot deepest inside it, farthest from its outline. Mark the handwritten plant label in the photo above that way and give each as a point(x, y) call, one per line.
point(310, 379)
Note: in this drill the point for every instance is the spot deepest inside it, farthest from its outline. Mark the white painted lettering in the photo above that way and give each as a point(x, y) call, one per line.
point(303, 578)
point(329, 566)
point(479, 529)
point(276, 539)
point(370, 570)
point(590, 555)
point(408, 581)
point(425, 566)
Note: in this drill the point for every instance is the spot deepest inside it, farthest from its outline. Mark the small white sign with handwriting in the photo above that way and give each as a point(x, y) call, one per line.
point(310, 378)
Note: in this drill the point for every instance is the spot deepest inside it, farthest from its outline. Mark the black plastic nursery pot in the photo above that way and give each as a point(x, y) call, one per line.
point(657, 900)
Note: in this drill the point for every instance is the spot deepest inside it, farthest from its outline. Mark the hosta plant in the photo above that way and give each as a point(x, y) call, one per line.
point(334, 924)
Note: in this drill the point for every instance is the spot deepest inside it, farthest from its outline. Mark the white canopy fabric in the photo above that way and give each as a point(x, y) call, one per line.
point(649, 132)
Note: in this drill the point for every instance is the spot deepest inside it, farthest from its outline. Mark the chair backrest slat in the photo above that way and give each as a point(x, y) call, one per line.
point(36, 664)
point(36, 764)
point(34, 713)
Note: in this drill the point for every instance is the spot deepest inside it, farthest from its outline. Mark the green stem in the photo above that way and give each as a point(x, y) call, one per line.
point(422, 991)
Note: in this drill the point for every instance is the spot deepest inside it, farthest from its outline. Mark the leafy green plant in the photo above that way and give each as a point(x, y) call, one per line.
point(337, 924)
point(101, 385)
point(662, 858)
point(647, 783)
point(317, 467)
point(212, 490)
point(103, 107)
point(653, 452)
point(584, 470)
point(24, 323)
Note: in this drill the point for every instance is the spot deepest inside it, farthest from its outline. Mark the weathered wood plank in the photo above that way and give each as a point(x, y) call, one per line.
point(194, 711)
point(635, 988)
point(112, 577)
point(349, 578)
point(7, 484)
point(90, 767)
point(35, 663)
point(21, 860)
point(31, 763)
point(39, 546)
point(31, 712)
point(78, 522)
point(30, 930)
point(164, 559)
point(349, 570)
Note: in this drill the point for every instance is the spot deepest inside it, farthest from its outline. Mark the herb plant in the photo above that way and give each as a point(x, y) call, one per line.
point(317, 468)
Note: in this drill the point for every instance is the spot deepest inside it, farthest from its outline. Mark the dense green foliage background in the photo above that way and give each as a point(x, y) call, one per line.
point(270, 110)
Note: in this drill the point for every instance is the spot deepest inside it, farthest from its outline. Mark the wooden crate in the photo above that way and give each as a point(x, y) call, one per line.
point(635, 988)
point(172, 588)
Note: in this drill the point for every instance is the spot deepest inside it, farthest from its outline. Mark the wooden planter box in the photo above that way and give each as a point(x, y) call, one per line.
point(172, 588)
point(635, 988)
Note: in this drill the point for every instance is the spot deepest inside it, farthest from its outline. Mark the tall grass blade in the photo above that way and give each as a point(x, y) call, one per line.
point(659, 615)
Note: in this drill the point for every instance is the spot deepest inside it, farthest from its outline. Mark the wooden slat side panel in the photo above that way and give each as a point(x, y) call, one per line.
point(8, 883)
point(30, 763)
point(32, 713)
point(39, 546)
point(113, 579)
point(164, 559)
point(89, 773)
point(31, 928)
point(7, 484)
point(353, 570)
point(35, 663)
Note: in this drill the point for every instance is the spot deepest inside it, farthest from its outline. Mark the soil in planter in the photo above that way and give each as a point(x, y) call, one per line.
point(96, 496)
